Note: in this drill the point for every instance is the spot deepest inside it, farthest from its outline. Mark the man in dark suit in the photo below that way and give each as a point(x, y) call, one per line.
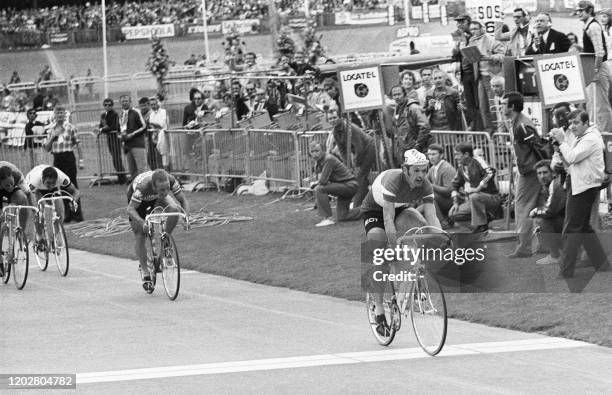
point(191, 110)
point(133, 136)
point(547, 40)
point(109, 125)
point(240, 107)
point(265, 104)
point(440, 176)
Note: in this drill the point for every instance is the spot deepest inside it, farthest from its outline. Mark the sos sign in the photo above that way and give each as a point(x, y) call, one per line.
point(486, 14)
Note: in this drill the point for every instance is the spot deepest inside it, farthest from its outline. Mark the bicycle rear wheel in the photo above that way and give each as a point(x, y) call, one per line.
point(391, 315)
point(428, 312)
point(170, 267)
point(60, 247)
point(21, 263)
point(5, 254)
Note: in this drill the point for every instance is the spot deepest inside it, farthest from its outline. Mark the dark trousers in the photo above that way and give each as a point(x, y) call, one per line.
point(577, 231)
point(344, 191)
point(550, 234)
point(66, 162)
point(363, 175)
point(154, 159)
point(114, 147)
point(470, 94)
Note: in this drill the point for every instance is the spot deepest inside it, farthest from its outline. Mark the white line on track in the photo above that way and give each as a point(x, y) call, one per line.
point(544, 343)
point(218, 299)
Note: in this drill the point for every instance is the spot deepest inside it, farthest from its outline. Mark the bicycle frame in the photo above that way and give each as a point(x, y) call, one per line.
point(11, 219)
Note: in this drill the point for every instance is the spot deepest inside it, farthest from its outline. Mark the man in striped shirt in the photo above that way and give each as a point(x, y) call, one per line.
point(62, 142)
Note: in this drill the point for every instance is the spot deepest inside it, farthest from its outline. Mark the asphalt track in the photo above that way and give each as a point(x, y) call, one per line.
point(228, 336)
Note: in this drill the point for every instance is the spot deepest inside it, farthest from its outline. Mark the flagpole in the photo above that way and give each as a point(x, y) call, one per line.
point(104, 54)
point(307, 5)
point(407, 12)
point(205, 24)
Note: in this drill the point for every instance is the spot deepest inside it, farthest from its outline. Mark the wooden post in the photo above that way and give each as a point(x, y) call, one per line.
point(388, 150)
point(348, 140)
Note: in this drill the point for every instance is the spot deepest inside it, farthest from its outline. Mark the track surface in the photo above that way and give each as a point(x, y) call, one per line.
point(229, 336)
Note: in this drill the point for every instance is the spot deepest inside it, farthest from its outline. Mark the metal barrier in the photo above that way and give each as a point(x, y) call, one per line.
point(25, 152)
point(449, 139)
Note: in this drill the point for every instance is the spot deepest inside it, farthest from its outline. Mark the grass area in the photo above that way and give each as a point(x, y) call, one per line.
point(281, 247)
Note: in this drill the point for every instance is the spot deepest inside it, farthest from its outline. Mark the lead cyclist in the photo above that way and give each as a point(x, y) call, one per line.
point(149, 190)
point(399, 199)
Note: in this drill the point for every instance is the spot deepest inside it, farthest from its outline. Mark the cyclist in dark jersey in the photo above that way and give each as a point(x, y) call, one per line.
point(148, 190)
point(399, 199)
point(12, 189)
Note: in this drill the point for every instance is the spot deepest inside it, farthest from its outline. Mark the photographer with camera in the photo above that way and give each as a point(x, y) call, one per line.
point(584, 160)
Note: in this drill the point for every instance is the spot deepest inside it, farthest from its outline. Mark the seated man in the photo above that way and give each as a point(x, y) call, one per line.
point(337, 180)
point(149, 190)
point(12, 188)
point(362, 147)
point(550, 212)
point(399, 200)
point(440, 176)
point(43, 180)
point(480, 199)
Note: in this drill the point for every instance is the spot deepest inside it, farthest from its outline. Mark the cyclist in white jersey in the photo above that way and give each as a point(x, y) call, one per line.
point(148, 190)
point(45, 179)
point(399, 199)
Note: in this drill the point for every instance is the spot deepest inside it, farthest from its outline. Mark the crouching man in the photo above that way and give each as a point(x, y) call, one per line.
point(550, 212)
point(335, 179)
point(480, 198)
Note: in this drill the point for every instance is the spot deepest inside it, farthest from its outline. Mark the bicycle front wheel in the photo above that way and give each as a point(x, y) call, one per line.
point(60, 248)
point(428, 312)
point(21, 262)
point(41, 251)
point(170, 267)
point(391, 316)
point(5, 254)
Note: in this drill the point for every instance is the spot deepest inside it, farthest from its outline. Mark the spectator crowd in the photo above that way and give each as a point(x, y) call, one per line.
point(559, 173)
point(155, 12)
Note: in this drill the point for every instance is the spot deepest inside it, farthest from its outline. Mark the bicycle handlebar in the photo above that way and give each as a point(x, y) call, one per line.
point(184, 216)
point(54, 198)
point(18, 207)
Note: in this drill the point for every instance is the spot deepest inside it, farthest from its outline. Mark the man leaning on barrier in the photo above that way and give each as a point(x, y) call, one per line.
point(109, 125)
point(362, 146)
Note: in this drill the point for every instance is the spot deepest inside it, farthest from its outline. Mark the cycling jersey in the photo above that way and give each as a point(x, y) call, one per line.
point(391, 186)
point(142, 190)
point(34, 179)
point(17, 177)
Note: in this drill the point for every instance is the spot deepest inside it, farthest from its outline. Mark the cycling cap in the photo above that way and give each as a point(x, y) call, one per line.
point(415, 158)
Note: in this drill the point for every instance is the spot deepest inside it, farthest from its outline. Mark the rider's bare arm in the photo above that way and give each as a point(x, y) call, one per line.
point(76, 194)
point(429, 212)
point(133, 213)
point(389, 218)
point(180, 197)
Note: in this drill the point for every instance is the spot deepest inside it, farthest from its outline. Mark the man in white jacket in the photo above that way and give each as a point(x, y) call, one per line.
point(585, 161)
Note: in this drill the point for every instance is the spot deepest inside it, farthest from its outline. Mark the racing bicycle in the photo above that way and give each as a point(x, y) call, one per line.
point(53, 240)
point(14, 255)
point(421, 299)
point(162, 254)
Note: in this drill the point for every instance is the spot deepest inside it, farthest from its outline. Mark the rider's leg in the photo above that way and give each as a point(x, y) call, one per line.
point(20, 198)
point(59, 210)
point(377, 238)
point(171, 207)
point(407, 219)
point(141, 252)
